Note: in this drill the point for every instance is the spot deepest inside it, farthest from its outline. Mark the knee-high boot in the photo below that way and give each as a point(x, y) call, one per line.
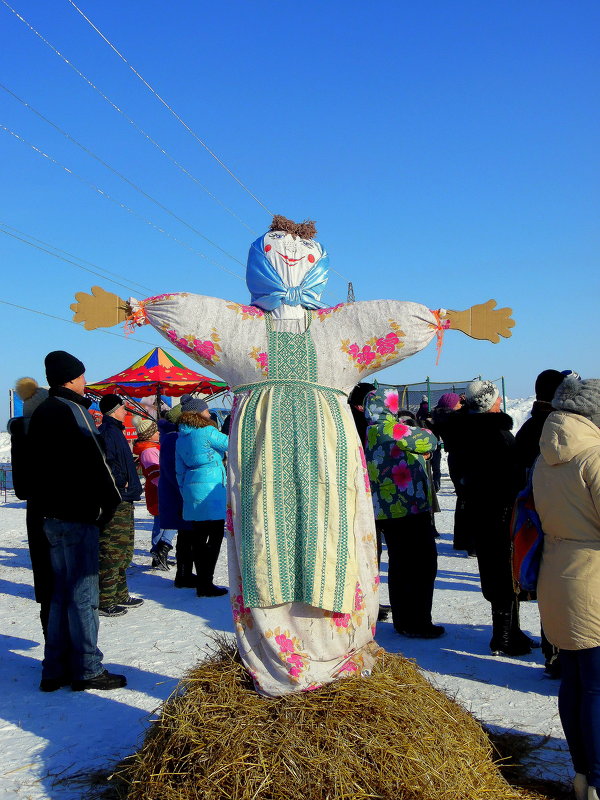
point(505, 639)
point(184, 577)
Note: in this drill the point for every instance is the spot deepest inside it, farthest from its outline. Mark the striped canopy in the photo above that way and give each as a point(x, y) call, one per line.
point(158, 373)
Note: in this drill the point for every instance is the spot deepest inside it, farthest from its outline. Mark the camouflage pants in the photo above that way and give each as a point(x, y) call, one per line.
point(116, 552)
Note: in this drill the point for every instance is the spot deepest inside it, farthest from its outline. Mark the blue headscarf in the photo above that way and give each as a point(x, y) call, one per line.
point(267, 289)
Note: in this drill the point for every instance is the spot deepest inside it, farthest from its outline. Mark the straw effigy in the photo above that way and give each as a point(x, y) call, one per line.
point(390, 736)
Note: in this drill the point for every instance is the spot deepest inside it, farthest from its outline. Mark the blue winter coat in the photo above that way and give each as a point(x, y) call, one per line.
point(200, 471)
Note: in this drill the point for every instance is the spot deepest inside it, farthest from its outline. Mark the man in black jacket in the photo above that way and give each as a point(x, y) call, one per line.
point(527, 440)
point(116, 538)
point(75, 491)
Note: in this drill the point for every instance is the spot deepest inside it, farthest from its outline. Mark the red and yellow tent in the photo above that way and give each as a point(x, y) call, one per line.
point(157, 373)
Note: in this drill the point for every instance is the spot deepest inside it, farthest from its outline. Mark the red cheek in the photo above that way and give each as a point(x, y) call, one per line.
point(267, 248)
point(311, 258)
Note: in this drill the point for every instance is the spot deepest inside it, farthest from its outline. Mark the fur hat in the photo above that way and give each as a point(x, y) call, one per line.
point(146, 428)
point(62, 367)
point(481, 395)
point(110, 403)
point(579, 397)
point(31, 394)
point(449, 400)
point(189, 403)
point(546, 383)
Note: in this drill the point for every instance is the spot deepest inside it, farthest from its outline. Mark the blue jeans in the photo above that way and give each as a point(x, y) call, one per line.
point(71, 643)
point(165, 534)
point(579, 708)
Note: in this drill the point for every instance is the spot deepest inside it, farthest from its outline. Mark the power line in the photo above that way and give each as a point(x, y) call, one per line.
point(119, 174)
point(118, 202)
point(72, 322)
point(167, 106)
point(107, 99)
point(68, 260)
point(128, 118)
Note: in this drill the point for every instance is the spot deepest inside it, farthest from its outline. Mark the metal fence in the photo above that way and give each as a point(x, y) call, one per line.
point(411, 394)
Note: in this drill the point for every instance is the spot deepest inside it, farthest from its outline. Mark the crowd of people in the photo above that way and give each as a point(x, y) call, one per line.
point(80, 517)
point(81, 482)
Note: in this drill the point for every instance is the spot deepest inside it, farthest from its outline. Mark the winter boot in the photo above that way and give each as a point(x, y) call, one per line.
point(206, 548)
point(503, 641)
point(105, 681)
point(184, 577)
point(160, 559)
point(593, 793)
point(517, 635)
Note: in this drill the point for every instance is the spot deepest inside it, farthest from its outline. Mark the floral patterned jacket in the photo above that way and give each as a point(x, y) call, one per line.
point(395, 463)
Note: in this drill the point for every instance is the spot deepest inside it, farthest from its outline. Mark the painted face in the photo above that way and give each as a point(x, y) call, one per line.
point(291, 257)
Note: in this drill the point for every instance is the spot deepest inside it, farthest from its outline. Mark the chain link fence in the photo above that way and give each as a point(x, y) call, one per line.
point(411, 394)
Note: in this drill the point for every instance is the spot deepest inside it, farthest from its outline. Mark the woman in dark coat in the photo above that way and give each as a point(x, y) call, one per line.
point(489, 476)
point(170, 502)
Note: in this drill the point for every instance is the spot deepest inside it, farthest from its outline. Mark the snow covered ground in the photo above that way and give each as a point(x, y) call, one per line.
point(44, 738)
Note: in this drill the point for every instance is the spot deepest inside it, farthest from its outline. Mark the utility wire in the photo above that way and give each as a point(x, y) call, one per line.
point(119, 203)
point(68, 261)
point(128, 118)
point(119, 174)
point(167, 106)
point(72, 322)
point(146, 135)
point(174, 113)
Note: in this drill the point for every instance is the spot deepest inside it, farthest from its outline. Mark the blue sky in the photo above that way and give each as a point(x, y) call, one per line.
point(448, 151)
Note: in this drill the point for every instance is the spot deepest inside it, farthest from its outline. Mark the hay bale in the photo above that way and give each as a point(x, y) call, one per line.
point(391, 736)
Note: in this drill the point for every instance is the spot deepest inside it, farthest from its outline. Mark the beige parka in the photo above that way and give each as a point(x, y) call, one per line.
point(566, 488)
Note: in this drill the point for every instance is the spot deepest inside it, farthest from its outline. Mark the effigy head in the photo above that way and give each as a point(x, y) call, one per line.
point(287, 266)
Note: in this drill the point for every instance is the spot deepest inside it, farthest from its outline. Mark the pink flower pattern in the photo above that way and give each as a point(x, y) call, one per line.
point(323, 313)
point(262, 359)
point(206, 351)
point(290, 653)
point(392, 400)
point(242, 616)
point(401, 475)
point(247, 312)
point(400, 430)
point(376, 351)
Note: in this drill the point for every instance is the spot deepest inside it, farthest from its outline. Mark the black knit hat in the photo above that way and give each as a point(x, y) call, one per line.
point(546, 384)
point(189, 403)
point(109, 403)
point(62, 367)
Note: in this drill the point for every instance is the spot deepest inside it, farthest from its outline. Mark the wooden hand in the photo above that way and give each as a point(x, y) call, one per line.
point(483, 321)
point(100, 309)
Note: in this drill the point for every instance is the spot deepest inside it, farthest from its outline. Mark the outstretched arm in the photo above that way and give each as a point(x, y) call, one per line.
point(221, 335)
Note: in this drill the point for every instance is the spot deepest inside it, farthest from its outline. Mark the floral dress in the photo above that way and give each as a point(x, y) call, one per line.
point(301, 545)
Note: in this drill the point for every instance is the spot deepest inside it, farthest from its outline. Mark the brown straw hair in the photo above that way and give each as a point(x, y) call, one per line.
point(305, 230)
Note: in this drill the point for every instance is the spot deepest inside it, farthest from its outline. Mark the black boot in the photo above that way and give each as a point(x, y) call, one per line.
point(184, 577)
point(505, 641)
point(206, 547)
point(517, 635)
point(160, 559)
